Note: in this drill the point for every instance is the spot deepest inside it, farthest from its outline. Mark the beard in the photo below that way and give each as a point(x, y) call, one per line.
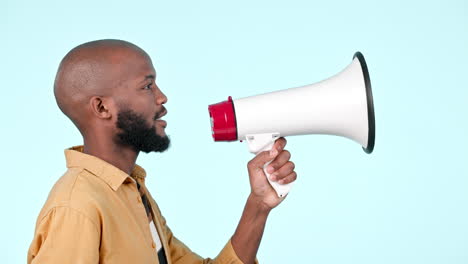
point(136, 133)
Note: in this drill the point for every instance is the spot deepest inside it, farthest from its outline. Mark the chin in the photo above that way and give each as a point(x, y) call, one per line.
point(161, 132)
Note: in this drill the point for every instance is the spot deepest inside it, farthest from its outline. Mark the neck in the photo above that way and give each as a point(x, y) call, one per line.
point(104, 148)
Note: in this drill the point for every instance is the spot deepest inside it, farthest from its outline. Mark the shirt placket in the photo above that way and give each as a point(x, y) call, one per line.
point(142, 218)
point(159, 227)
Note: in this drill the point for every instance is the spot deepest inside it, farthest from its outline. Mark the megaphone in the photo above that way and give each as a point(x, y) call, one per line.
point(341, 105)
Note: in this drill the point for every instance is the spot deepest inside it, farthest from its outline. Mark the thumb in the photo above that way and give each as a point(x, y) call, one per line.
point(263, 157)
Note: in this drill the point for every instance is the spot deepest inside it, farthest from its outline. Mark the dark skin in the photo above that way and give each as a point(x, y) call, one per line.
point(97, 80)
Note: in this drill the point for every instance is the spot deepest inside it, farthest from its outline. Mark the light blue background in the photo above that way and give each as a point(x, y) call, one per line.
point(405, 203)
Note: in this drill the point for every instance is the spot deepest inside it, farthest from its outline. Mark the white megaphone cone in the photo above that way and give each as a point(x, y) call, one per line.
point(341, 105)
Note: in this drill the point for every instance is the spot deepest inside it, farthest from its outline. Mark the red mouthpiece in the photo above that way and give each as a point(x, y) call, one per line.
point(223, 121)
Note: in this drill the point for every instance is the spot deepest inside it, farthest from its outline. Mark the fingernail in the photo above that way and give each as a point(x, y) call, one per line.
point(273, 152)
point(273, 177)
point(281, 181)
point(270, 169)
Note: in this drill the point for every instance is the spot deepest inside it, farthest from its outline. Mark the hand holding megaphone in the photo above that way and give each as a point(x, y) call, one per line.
point(264, 142)
point(341, 105)
point(280, 166)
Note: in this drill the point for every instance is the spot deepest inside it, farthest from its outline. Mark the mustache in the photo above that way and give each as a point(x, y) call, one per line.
point(160, 113)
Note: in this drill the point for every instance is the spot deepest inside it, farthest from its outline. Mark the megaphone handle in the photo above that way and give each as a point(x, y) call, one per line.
point(281, 189)
point(264, 142)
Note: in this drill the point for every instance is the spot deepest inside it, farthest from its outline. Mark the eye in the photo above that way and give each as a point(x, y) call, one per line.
point(148, 86)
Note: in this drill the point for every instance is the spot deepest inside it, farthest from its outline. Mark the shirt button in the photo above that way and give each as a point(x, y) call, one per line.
point(153, 245)
point(139, 199)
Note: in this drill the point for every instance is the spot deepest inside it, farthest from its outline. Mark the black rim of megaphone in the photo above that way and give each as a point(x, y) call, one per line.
point(370, 103)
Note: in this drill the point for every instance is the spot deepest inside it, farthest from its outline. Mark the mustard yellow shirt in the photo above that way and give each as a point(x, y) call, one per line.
point(94, 214)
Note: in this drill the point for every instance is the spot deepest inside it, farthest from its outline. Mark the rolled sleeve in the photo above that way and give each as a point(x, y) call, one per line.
point(181, 254)
point(228, 255)
point(65, 235)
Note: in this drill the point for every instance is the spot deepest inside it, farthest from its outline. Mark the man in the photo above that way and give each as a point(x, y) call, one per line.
point(100, 211)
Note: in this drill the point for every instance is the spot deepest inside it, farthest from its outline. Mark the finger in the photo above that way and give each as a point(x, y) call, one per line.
point(280, 143)
point(284, 171)
point(259, 161)
point(288, 179)
point(279, 161)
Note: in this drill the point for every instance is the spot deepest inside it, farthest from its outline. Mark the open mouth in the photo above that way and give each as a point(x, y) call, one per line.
point(158, 117)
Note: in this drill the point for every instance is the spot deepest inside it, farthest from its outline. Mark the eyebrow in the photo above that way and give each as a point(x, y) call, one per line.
point(150, 77)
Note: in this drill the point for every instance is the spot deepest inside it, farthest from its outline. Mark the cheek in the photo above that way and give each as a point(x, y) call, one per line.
point(142, 105)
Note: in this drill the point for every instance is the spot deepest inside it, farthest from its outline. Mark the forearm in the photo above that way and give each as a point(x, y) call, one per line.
point(249, 232)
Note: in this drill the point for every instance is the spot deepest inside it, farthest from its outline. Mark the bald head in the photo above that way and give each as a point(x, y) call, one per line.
point(95, 68)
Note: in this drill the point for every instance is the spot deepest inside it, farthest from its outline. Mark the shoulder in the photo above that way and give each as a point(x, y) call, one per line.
point(78, 191)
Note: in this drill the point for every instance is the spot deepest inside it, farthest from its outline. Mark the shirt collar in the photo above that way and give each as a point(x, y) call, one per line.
point(112, 175)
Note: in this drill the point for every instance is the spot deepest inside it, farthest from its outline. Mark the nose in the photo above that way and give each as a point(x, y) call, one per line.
point(161, 98)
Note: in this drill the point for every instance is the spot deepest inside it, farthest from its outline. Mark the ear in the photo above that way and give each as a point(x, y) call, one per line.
point(101, 107)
